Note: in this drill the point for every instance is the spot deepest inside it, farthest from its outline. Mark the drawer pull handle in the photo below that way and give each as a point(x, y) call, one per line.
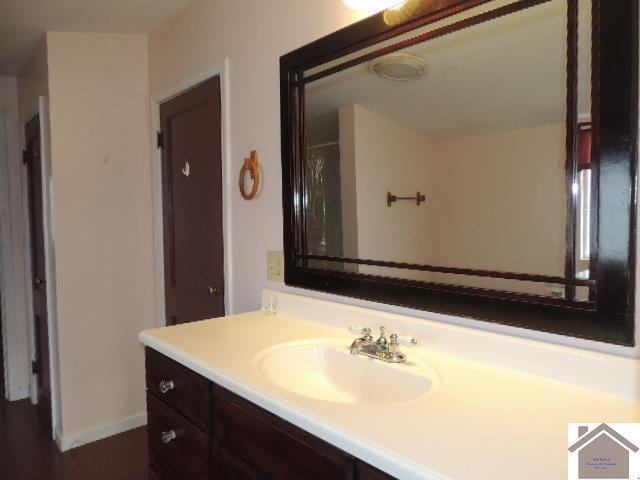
point(168, 437)
point(166, 386)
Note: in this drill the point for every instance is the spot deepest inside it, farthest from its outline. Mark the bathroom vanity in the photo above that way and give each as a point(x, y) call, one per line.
point(200, 430)
point(257, 396)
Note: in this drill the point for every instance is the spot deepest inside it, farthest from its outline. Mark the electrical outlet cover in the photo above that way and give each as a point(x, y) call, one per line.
point(275, 266)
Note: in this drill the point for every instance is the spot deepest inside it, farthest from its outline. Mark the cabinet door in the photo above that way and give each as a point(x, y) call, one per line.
point(227, 466)
point(177, 449)
point(273, 446)
point(367, 472)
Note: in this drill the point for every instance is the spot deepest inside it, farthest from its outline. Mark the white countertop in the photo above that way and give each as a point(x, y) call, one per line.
point(480, 422)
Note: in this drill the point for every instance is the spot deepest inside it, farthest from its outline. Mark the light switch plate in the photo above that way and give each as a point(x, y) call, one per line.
point(275, 266)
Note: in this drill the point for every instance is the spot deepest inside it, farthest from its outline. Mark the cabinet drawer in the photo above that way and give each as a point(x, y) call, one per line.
point(185, 391)
point(276, 448)
point(228, 466)
point(183, 457)
point(367, 472)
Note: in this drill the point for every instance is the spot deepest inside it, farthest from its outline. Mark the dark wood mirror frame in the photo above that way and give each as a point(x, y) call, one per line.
point(609, 317)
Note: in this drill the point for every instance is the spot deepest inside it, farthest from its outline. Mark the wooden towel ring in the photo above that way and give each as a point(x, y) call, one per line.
point(251, 165)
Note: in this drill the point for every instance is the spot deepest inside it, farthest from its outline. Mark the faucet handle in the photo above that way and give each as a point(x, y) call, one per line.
point(395, 355)
point(394, 344)
point(364, 331)
point(383, 339)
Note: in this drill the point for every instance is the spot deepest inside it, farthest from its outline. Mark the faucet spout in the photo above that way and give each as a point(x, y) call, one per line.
point(380, 349)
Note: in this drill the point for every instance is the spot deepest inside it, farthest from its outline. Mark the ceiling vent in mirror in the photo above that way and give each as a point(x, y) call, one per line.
point(400, 67)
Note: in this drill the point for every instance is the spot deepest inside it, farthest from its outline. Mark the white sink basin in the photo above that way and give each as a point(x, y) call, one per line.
point(327, 371)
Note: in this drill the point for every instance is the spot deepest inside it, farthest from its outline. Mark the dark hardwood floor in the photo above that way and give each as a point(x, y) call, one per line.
point(27, 451)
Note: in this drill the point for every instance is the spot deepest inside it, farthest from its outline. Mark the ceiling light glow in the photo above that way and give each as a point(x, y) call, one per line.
point(354, 4)
point(372, 6)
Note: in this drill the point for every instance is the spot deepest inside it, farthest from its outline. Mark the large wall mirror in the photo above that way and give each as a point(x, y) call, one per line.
point(475, 158)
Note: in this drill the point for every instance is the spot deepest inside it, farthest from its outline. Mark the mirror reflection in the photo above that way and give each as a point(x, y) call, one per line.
point(451, 156)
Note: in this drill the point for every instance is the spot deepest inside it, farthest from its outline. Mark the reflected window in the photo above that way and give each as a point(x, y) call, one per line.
point(585, 214)
point(584, 191)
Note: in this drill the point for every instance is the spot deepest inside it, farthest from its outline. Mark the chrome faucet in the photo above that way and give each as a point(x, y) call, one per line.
point(381, 349)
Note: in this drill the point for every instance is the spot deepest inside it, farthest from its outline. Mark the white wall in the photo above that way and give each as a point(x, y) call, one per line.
point(14, 299)
point(388, 157)
point(205, 33)
point(102, 224)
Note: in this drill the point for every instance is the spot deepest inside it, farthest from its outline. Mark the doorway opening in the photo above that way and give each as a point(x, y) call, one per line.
point(35, 204)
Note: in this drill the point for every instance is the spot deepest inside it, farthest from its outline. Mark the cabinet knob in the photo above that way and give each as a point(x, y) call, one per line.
point(168, 436)
point(166, 386)
point(214, 290)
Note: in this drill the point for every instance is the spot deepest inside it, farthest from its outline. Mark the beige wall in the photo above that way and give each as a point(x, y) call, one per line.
point(494, 202)
point(102, 223)
point(14, 300)
point(500, 204)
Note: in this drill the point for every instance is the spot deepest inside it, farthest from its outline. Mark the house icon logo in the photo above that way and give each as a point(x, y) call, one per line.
point(603, 452)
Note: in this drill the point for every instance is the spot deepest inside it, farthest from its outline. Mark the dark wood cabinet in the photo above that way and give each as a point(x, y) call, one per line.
point(201, 431)
point(367, 472)
point(185, 391)
point(177, 449)
point(228, 466)
point(280, 450)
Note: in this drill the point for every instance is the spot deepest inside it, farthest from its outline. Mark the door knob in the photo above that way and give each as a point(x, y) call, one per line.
point(214, 290)
point(166, 386)
point(168, 436)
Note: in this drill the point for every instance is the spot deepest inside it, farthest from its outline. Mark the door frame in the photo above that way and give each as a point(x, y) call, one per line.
point(7, 286)
point(42, 109)
point(220, 69)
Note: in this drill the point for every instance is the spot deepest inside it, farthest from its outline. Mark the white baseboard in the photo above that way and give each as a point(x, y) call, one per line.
point(20, 393)
point(57, 437)
point(69, 442)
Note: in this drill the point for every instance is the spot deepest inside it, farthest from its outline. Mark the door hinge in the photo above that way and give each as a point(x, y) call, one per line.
point(159, 139)
point(34, 367)
point(25, 157)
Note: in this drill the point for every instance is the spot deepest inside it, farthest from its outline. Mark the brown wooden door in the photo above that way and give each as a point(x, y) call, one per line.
point(38, 263)
point(192, 204)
